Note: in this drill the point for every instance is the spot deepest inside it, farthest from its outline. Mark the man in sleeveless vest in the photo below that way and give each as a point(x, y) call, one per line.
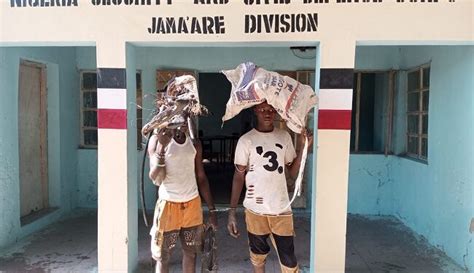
point(176, 167)
point(262, 157)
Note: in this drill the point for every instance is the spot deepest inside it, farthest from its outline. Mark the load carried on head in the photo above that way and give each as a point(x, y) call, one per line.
point(252, 85)
point(177, 107)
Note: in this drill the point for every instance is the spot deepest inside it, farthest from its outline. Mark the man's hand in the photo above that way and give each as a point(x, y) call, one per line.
point(164, 137)
point(212, 220)
point(232, 224)
point(305, 133)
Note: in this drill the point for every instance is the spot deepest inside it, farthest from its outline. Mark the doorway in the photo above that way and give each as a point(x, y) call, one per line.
point(32, 131)
point(220, 139)
point(158, 65)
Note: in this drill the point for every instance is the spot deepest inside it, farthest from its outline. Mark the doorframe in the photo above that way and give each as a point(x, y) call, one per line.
point(311, 206)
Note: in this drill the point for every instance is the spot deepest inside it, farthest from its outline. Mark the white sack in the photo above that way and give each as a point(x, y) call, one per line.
point(251, 85)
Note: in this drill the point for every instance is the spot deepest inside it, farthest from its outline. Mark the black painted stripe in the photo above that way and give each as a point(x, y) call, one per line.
point(336, 78)
point(111, 78)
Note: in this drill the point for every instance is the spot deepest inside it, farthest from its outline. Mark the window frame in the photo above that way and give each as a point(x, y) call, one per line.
point(419, 113)
point(82, 90)
point(82, 108)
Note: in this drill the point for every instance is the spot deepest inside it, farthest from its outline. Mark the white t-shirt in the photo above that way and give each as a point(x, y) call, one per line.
point(265, 155)
point(180, 183)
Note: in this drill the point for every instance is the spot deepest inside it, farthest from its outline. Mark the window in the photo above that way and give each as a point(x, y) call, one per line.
point(372, 116)
point(418, 83)
point(88, 109)
point(88, 102)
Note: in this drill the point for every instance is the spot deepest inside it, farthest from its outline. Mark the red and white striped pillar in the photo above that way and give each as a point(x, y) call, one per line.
point(332, 164)
point(114, 248)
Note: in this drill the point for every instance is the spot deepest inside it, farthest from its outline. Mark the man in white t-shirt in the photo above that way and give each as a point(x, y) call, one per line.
point(262, 157)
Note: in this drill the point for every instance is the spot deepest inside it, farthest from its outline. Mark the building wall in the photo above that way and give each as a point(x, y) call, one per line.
point(62, 136)
point(393, 185)
point(370, 184)
point(435, 199)
point(86, 158)
point(448, 22)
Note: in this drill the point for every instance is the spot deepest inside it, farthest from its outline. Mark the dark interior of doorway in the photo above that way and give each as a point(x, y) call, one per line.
point(371, 115)
point(219, 140)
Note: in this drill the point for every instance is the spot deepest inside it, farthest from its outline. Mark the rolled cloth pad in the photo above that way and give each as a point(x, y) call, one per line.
point(251, 85)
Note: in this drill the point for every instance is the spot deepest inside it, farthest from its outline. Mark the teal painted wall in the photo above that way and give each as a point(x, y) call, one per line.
point(86, 158)
point(62, 136)
point(370, 184)
point(435, 199)
point(132, 156)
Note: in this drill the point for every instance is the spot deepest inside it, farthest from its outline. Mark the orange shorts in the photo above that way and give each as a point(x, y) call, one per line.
point(266, 224)
point(173, 220)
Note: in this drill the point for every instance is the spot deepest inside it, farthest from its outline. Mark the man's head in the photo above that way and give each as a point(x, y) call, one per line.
point(265, 115)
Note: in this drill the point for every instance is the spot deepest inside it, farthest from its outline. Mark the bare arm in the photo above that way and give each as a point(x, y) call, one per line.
point(237, 185)
point(156, 152)
point(203, 184)
point(294, 166)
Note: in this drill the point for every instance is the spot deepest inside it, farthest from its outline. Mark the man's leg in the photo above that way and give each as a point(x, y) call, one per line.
point(165, 233)
point(162, 265)
point(189, 259)
point(191, 242)
point(258, 233)
point(161, 247)
point(286, 253)
point(191, 233)
point(283, 240)
point(259, 250)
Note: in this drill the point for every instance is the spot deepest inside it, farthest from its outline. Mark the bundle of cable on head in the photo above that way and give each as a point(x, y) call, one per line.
point(177, 107)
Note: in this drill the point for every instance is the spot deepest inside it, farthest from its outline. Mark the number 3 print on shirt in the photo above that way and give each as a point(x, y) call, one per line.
point(272, 159)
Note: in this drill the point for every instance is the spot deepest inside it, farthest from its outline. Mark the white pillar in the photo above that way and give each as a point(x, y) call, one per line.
point(116, 196)
point(332, 163)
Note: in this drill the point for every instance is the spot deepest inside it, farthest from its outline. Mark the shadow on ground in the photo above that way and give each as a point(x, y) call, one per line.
point(374, 244)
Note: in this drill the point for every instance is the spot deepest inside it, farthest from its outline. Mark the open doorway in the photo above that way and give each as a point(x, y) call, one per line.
point(219, 140)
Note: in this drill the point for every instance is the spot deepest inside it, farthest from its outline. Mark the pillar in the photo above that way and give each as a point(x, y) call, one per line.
point(332, 161)
point(117, 190)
